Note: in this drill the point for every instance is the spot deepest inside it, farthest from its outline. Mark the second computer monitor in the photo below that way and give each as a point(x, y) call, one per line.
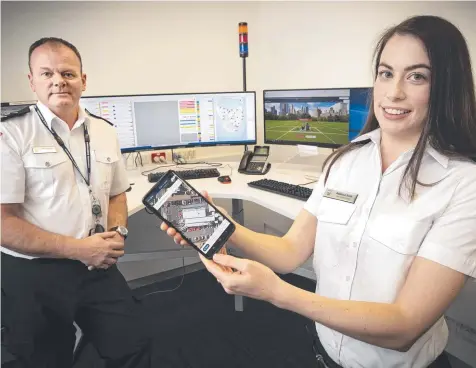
point(178, 120)
point(319, 117)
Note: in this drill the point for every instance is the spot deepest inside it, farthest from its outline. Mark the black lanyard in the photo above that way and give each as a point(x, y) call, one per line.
point(66, 150)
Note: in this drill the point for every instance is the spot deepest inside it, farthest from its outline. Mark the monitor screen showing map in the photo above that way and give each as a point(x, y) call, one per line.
point(145, 122)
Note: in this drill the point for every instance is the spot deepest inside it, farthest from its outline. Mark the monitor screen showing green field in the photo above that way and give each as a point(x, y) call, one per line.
point(317, 117)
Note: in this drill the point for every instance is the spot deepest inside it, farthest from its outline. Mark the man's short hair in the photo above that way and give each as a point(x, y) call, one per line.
point(53, 41)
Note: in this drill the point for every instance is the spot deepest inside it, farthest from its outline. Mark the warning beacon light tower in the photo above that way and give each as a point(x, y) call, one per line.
point(243, 37)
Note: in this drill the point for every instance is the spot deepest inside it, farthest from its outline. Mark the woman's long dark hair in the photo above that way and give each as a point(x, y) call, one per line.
point(451, 122)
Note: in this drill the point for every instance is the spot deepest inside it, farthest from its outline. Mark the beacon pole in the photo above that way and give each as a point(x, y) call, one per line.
point(237, 204)
point(243, 38)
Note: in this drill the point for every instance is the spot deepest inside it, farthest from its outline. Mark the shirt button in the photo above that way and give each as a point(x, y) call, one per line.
point(354, 244)
point(47, 164)
point(347, 278)
point(108, 159)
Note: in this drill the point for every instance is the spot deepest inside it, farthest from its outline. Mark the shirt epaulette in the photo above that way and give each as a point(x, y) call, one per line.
point(15, 114)
point(98, 117)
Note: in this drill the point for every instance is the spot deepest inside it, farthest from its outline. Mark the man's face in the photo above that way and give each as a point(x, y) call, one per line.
point(55, 76)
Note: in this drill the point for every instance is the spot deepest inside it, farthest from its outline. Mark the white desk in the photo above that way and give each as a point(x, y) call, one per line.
point(237, 189)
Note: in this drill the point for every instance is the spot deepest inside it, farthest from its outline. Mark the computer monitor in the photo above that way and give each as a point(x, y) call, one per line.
point(319, 117)
point(161, 121)
point(359, 110)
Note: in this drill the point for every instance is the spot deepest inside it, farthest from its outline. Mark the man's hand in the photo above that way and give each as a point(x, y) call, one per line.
point(99, 250)
point(118, 238)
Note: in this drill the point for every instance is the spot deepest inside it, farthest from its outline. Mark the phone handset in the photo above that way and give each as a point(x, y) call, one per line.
point(266, 168)
point(245, 160)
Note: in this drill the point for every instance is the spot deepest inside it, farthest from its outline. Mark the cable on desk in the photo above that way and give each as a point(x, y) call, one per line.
point(231, 169)
point(156, 168)
point(314, 181)
point(212, 164)
point(138, 159)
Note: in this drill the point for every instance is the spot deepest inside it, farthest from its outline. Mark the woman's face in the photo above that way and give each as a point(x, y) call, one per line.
point(402, 87)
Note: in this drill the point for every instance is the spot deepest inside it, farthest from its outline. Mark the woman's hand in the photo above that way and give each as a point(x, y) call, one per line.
point(179, 240)
point(177, 237)
point(173, 234)
point(251, 279)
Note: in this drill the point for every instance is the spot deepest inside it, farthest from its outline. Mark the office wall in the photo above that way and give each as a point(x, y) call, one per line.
point(159, 47)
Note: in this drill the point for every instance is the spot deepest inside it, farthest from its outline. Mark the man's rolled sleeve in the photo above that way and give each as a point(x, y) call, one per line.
point(12, 169)
point(120, 180)
point(451, 240)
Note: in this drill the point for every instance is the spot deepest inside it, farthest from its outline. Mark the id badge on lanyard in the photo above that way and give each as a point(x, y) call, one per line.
point(97, 213)
point(95, 204)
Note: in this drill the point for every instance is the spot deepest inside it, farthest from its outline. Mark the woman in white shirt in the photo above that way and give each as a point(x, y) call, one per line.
point(392, 219)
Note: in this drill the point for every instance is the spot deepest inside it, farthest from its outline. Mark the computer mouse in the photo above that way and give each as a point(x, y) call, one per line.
point(225, 179)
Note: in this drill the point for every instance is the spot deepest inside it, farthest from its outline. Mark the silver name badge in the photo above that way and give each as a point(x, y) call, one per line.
point(44, 149)
point(340, 196)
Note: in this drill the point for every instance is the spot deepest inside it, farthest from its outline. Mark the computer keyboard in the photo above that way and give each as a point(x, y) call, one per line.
point(187, 174)
point(279, 187)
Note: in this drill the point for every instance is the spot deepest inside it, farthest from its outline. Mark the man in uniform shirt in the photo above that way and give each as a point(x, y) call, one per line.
point(64, 212)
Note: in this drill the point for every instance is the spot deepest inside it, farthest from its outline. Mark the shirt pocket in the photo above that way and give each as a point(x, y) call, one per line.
point(333, 217)
point(399, 233)
point(105, 162)
point(47, 174)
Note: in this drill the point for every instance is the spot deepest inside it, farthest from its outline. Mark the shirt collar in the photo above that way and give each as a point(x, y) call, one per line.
point(438, 156)
point(47, 113)
point(375, 135)
point(50, 116)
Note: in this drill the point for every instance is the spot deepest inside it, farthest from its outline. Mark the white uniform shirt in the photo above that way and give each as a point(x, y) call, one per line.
point(364, 250)
point(53, 194)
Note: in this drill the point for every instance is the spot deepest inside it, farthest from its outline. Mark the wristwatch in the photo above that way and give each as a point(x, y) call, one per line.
point(121, 230)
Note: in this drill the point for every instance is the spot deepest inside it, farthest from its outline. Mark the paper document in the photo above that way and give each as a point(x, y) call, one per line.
point(304, 150)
